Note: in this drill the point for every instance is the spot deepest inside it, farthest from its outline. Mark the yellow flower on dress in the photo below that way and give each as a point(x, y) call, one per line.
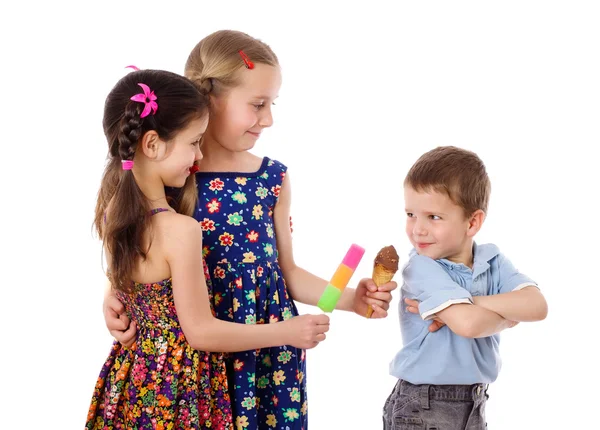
point(278, 377)
point(257, 212)
point(249, 257)
point(271, 420)
point(241, 423)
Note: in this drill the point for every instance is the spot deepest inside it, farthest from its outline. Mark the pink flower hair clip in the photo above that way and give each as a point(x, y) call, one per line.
point(149, 100)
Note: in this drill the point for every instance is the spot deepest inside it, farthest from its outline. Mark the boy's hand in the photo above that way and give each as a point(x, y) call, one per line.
point(412, 306)
point(117, 321)
point(367, 293)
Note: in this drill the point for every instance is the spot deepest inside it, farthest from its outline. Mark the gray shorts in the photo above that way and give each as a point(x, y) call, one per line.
point(435, 407)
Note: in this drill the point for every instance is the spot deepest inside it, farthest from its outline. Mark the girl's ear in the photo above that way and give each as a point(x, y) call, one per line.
point(149, 144)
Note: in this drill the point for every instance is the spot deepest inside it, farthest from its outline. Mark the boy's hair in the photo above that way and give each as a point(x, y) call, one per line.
point(214, 61)
point(456, 172)
point(122, 229)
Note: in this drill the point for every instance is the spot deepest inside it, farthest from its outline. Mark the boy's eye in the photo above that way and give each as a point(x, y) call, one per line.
point(261, 105)
point(434, 217)
point(409, 214)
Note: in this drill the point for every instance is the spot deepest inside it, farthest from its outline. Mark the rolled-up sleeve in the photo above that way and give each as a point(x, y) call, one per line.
point(426, 280)
point(510, 279)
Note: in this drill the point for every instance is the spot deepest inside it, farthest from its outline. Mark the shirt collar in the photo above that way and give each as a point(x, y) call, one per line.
point(482, 255)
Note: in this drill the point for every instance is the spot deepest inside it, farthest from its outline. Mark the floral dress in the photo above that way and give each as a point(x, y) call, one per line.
point(267, 386)
point(161, 382)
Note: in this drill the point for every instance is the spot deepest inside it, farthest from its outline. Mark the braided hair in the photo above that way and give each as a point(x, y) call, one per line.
point(121, 218)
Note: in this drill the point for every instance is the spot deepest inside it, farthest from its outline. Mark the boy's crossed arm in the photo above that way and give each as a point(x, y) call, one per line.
point(525, 305)
point(471, 320)
point(518, 299)
point(465, 322)
point(436, 296)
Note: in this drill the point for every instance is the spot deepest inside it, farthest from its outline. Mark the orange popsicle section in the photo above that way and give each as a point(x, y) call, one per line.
point(341, 277)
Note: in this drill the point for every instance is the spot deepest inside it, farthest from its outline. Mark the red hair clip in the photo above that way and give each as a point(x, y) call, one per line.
point(249, 64)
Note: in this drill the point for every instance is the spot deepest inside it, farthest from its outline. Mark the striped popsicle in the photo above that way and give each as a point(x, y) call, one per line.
point(341, 277)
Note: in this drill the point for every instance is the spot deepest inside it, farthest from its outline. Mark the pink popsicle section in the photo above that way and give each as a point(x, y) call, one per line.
point(353, 256)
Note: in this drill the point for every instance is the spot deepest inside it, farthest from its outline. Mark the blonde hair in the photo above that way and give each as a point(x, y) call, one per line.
point(214, 61)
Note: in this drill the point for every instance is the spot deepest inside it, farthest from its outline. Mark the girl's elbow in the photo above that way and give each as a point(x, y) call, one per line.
point(201, 340)
point(197, 340)
point(288, 267)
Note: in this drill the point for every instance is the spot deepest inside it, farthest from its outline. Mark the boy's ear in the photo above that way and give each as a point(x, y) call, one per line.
point(475, 222)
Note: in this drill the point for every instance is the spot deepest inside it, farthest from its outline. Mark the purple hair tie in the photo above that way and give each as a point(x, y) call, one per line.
point(127, 164)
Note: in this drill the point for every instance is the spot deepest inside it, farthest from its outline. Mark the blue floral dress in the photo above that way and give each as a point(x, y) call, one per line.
point(267, 386)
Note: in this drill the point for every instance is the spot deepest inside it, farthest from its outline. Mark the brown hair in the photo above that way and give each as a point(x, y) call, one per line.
point(214, 61)
point(123, 227)
point(456, 172)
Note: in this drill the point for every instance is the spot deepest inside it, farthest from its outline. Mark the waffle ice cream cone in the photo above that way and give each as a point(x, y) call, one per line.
point(384, 268)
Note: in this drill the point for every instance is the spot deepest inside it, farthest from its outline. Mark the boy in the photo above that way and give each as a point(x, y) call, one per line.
point(473, 290)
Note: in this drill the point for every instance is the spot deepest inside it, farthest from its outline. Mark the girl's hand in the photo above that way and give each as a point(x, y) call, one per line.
point(367, 293)
point(305, 331)
point(117, 321)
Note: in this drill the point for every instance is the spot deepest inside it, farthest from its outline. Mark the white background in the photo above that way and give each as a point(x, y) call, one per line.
point(367, 89)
